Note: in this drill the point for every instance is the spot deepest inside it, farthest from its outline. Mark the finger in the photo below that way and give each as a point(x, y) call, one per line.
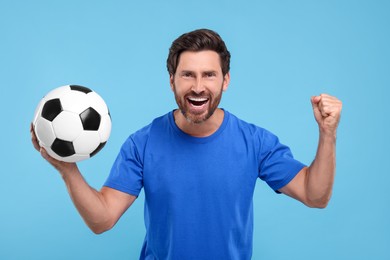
point(329, 99)
point(327, 109)
point(323, 111)
point(58, 165)
point(34, 138)
point(48, 158)
point(44, 153)
point(330, 106)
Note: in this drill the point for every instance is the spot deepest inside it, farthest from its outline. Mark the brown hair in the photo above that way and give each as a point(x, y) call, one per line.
point(198, 40)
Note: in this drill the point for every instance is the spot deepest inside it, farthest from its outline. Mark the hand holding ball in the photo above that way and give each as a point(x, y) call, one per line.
point(72, 123)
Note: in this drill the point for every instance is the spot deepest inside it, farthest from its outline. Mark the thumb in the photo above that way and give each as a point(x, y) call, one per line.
point(314, 102)
point(315, 99)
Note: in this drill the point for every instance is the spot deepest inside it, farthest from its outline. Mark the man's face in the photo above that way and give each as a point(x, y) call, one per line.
point(198, 84)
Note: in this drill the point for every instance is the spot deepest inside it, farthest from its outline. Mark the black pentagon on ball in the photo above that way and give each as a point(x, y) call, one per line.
point(62, 148)
point(101, 145)
point(51, 109)
point(80, 88)
point(90, 119)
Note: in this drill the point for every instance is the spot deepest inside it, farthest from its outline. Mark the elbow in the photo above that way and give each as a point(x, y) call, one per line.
point(98, 232)
point(319, 203)
point(100, 228)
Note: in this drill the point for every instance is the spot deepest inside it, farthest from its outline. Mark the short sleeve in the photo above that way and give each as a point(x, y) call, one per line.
point(127, 171)
point(277, 165)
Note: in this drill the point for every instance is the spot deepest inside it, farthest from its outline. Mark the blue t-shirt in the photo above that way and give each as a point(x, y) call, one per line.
point(198, 191)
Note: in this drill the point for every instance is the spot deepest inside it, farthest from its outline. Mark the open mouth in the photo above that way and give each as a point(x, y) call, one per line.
point(197, 101)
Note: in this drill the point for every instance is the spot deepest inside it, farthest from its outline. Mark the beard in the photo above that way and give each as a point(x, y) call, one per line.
point(197, 116)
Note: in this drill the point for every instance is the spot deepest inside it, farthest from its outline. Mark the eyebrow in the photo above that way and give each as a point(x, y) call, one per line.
point(210, 71)
point(186, 71)
point(203, 72)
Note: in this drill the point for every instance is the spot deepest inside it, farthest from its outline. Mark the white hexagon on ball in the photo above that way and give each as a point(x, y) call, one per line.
point(74, 101)
point(105, 128)
point(44, 131)
point(87, 142)
point(67, 126)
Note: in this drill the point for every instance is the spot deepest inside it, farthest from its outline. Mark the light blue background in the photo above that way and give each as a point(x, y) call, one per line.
point(282, 53)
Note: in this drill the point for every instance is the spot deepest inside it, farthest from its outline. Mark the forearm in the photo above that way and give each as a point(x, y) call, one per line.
point(321, 173)
point(92, 205)
point(313, 185)
point(89, 202)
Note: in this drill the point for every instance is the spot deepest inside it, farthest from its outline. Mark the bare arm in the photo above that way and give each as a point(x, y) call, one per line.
point(99, 209)
point(313, 185)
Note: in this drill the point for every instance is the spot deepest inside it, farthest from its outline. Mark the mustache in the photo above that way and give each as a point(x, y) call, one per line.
point(203, 94)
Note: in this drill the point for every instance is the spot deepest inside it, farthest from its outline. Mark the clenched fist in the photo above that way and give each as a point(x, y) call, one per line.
point(327, 112)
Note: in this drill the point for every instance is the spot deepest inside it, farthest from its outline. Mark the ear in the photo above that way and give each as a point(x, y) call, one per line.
point(226, 81)
point(171, 81)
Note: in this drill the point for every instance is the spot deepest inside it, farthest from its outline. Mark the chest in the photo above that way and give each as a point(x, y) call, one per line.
point(214, 170)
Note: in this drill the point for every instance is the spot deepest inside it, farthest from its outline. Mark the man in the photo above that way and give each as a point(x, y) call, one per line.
point(198, 165)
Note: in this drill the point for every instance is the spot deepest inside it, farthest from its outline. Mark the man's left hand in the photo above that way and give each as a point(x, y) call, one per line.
point(327, 112)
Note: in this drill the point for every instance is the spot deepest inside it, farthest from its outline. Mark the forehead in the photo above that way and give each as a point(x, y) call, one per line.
point(199, 60)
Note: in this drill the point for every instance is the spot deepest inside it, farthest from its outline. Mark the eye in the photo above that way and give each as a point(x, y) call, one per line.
point(187, 74)
point(210, 74)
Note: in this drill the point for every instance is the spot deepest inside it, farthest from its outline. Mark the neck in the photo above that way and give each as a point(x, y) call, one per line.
point(203, 129)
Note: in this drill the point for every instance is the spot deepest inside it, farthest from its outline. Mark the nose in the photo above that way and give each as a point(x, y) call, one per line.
point(198, 86)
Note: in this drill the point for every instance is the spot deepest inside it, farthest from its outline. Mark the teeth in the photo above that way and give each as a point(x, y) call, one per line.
point(197, 99)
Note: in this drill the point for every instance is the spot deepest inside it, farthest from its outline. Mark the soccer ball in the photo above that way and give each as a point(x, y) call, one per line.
point(72, 123)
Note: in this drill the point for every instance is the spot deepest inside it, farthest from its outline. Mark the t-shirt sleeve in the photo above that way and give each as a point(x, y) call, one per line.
point(127, 171)
point(277, 165)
